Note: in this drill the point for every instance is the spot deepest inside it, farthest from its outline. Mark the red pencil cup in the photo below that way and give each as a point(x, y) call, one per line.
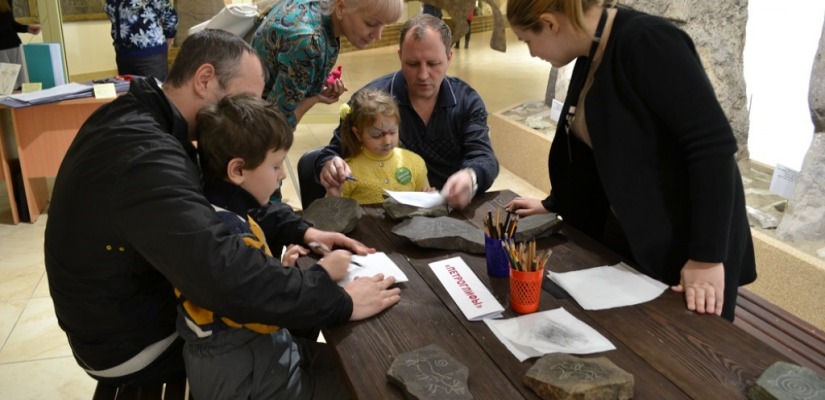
point(497, 263)
point(525, 290)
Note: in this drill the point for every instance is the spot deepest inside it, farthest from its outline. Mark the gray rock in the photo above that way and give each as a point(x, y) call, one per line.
point(334, 214)
point(430, 373)
point(396, 210)
point(765, 220)
point(783, 381)
point(561, 376)
point(537, 226)
point(442, 233)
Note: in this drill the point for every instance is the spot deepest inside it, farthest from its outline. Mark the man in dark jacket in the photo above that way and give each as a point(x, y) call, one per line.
point(443, 119)
point(128, 221)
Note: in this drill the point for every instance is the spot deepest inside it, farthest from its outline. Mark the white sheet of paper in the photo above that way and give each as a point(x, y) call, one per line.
point(417, 199)
point(473, 298)
point(552, 331)
point(56, 92)
point(8, 77)
point(371, 264)
point(783, 181)
point(609, 286)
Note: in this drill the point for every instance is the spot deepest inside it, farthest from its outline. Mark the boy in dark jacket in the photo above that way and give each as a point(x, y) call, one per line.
point(242, 143)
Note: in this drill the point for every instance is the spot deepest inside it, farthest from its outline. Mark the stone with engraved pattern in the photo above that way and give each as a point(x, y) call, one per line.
point(430, 373)
point(784, 381)
point(334, 214)
point(561, 376)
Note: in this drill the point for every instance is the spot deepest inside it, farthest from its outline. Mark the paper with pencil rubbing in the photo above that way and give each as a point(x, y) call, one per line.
point(608, 286)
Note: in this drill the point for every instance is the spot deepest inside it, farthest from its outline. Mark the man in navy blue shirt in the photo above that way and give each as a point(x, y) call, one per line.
point(443, 119)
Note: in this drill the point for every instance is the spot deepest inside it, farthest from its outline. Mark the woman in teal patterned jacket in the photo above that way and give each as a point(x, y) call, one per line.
point(299, 42)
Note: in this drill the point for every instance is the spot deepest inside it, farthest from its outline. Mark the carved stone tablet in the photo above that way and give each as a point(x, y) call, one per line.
point(561, 376)
point(396, 210)
point(430, 373)
point(442, 233)
point(537, 226)
point(334, 214)
point(784, 381)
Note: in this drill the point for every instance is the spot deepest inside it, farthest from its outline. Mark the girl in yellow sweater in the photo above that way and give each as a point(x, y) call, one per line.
point(369, 143)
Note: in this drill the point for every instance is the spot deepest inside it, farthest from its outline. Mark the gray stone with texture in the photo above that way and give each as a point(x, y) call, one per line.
point(559, 376)
point(537, 226)
point(784, 381)
point(430, 373)
point(442, 233)
point(334, 214)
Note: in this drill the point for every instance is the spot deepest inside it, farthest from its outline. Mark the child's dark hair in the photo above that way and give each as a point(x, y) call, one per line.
point(239, 126)
point(365, 106)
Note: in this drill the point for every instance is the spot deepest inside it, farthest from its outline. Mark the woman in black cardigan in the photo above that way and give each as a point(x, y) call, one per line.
point(643, 158)
point(9, 41)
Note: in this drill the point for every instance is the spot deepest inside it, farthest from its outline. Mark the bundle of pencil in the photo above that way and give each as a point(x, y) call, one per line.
point(495, 228)
point(524, 257)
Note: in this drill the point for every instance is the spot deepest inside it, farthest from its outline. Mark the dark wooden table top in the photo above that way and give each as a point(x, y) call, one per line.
point(672, 353)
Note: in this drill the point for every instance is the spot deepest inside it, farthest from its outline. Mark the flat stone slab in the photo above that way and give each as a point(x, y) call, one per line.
point(333, 214)
point(429, 373)
point(442, 233)
point(537, 226)
point(784, 381)
point(396, 210)
point(559, 376)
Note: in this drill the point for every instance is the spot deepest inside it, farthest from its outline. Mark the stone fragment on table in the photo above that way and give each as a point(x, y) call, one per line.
point(396, 210)
point(442, 233)
point(537, 226)
point(561, 376)
point(333, 214)
point(430, 373)
point(784, 381)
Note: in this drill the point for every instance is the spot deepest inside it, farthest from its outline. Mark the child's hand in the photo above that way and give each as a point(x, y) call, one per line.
point(291, 255)
point(336, 263)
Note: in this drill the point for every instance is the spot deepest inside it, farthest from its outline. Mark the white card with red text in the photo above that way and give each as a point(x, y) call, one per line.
point(471, 296)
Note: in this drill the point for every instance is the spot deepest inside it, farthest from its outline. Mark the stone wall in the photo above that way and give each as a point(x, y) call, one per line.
point(804, 218)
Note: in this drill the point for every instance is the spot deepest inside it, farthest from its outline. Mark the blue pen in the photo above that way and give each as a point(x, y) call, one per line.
point(350, 178)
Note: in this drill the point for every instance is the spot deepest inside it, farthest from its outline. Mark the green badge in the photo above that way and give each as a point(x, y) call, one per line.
point(403, 175)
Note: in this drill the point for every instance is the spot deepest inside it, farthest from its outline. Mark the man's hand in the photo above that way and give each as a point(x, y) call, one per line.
point(458, 190)
point(704, 286)
point(334, 239)
point(371, 295)
point(334, 175)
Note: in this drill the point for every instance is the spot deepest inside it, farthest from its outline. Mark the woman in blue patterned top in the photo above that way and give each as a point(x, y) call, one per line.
point(142, 33)
point(299, 42)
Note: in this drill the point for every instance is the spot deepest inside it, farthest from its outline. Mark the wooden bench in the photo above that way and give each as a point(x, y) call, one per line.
point(798, 340)
point(169, 391)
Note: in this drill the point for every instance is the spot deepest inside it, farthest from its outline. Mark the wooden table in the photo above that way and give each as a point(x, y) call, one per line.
point(672, 353)
point(39, 136)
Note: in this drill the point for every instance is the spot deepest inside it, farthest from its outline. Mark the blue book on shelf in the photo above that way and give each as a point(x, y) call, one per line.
point(44, 64)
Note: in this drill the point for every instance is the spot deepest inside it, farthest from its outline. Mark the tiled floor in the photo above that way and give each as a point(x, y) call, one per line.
point(35, 359)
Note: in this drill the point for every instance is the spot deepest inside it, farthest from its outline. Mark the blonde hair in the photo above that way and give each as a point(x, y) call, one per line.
point(391, 9)
point(524, 14)
point(366, 106)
